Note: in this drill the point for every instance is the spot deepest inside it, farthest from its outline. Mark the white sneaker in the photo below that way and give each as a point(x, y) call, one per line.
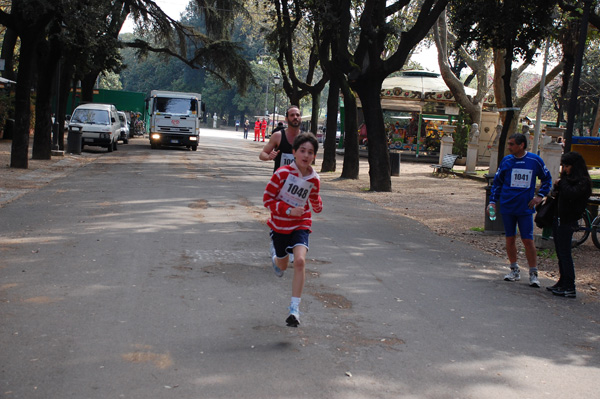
point(293, 319)
point(533, 280)
point(514, 275)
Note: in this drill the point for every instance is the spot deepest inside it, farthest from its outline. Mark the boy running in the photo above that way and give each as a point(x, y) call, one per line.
point(287, 196)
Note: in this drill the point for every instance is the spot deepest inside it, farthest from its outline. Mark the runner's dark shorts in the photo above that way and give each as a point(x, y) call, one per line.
point(284, 243)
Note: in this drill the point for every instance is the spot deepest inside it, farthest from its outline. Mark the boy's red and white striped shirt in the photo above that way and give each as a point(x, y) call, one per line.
point(280, 222)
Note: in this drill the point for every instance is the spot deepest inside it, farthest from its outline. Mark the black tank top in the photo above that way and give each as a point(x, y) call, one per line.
point(284, 148)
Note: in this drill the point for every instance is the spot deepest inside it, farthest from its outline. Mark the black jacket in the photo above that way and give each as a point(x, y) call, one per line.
point(571, 196)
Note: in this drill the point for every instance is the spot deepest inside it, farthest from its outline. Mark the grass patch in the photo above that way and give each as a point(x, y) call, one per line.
point(479, 229)
point(547, 254)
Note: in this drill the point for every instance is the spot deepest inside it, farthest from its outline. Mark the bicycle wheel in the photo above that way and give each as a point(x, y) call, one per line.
point(596, 232)
point(582, 231)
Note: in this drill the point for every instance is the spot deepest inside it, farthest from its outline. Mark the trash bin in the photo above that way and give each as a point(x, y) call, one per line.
point(395, 163)
point(492, 226)
point(74, 141)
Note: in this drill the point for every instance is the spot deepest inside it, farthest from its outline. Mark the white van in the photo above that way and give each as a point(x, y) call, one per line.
point(98, 123)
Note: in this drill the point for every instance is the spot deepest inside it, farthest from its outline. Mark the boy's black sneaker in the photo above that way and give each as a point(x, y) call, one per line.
point(292, 321)
point(566, 292)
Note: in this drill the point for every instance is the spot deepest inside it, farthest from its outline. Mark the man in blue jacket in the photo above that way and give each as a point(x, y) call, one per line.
point(514, 189)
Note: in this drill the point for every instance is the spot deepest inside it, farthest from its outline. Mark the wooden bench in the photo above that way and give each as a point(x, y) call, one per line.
point(447, 164)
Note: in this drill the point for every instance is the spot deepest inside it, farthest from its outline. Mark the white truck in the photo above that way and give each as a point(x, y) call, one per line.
point(175, 118)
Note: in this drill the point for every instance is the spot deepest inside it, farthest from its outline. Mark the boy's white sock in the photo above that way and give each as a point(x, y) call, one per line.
point(296, 301)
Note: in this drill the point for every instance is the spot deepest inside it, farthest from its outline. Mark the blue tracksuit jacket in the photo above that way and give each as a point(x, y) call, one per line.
point(514, 183)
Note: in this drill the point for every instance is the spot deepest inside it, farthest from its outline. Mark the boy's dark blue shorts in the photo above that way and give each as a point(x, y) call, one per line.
point(284, 243)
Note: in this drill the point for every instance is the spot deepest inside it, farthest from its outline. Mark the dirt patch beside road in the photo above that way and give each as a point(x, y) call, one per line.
point(15, 182)
point(454, 207)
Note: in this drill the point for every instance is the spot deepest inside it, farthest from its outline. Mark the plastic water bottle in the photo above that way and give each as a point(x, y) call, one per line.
point(492, 212)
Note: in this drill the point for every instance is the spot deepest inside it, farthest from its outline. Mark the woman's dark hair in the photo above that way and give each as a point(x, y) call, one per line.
point(579, 169)
point(303, 138)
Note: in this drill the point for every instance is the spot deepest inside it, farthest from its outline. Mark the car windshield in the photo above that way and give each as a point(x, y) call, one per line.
point(182, 106)
point(91, 116)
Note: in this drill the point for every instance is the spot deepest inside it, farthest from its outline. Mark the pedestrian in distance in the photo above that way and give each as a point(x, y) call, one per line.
point(571, 192)
point(263, 129)
point(279, 146)
point(278, 128)
point(289, 195)
point(246, 128)
point(514, 188)
point(257, 130)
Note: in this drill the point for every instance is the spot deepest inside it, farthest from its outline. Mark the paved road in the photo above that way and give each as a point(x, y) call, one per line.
point(145, 275)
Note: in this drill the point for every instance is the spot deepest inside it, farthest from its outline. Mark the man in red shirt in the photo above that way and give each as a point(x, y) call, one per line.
point(263, 129)
point(256, 130)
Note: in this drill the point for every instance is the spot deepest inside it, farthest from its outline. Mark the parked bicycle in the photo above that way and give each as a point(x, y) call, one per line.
point(587, 227)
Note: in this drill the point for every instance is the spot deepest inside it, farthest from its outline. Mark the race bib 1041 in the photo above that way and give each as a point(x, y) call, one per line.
point(295, 191)
point(521, 178)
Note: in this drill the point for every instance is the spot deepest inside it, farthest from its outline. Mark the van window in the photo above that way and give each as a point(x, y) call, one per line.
point(91, 116)
point(181, 106)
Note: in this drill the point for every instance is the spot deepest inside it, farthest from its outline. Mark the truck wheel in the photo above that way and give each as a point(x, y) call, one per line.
point(125, 141)
point(110, 147)
point(115, 146)
point(194, 147)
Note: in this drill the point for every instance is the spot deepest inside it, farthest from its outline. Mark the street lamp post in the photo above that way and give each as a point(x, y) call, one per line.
point(276, 80)
point(261, 54)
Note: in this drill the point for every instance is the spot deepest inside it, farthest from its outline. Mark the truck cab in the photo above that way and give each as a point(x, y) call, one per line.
point(175, 119)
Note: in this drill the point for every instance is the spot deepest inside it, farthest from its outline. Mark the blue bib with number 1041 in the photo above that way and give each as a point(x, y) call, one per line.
point(295, 191)
point(521, 178)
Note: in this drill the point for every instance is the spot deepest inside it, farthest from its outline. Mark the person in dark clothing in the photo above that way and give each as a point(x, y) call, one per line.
point(279, 147)
point(571, 192)
point(278, 128)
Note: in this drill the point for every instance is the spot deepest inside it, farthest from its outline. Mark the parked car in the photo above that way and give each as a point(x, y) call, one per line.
point(124, 135)
point(98, 123)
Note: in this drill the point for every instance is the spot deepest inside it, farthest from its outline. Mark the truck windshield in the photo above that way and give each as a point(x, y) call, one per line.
point(180, 106)
point(92, 116)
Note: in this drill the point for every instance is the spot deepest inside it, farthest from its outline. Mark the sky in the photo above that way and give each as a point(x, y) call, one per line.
point(173, 8)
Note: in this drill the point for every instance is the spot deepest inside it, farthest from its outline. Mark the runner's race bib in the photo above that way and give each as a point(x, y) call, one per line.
point(295, 191)
point(286, 159)
point(521, 178)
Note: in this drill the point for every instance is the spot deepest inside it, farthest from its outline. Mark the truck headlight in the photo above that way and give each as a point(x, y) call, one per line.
point(193, 138)
point(155, 136)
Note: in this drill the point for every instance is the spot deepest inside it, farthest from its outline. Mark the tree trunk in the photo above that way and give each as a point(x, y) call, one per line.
point(351, 167)
point(20, 145)
point(329, 161)
point(87, 87)
point(314, 118)
point(569, 47)
point(48, 57)
point(66, 72)
point(379, 160)
point(596, 126)
point(473, 106)
point(509, 103)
